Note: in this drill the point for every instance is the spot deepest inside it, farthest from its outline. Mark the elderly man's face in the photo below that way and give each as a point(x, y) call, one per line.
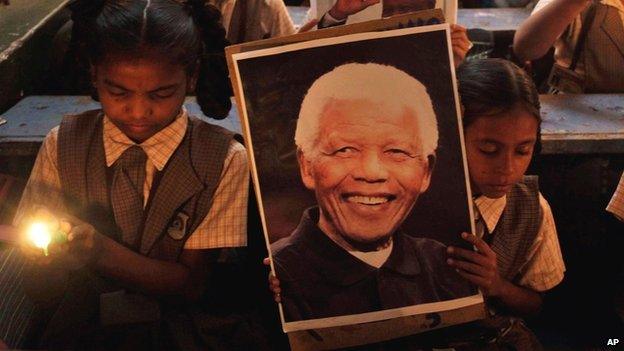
point(367, 169)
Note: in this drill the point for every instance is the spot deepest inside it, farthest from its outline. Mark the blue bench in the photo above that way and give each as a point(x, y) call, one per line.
point(28, 122)
point(573, 124)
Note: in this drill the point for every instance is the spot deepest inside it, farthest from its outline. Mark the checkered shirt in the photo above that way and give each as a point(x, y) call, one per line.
point(225, 224)
point(544, 268)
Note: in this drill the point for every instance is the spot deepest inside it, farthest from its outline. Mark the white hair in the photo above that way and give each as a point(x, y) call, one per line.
point(376, 83)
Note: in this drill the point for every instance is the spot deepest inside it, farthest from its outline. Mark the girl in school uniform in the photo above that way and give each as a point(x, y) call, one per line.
point(147, 193)
point(517, 255)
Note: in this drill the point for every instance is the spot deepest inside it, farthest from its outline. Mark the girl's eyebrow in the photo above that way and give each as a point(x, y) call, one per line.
point(528, 141)
point(164, 87)
point(498, 142)
point(119, 86)
point(113, 84)
point(491, 141)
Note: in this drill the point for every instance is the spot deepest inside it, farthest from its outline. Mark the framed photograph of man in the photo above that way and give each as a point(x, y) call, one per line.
point(358, 164)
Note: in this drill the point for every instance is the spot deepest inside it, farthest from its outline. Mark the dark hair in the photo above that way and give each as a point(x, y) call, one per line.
point(188, 33)
point(491, 87)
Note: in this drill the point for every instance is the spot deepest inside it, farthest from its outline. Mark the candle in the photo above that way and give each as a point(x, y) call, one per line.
point(39, 235)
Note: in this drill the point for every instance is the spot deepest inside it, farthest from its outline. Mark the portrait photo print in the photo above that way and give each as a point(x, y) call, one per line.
point(358, 164)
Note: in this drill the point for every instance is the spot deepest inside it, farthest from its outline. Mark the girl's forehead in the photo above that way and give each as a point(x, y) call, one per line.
point(512, 117)
point(140, 73)
point(139, 56)
point(515, 125)
point(120, 63)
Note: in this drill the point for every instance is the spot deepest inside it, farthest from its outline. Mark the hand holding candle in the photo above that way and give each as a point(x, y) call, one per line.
point(68, 240)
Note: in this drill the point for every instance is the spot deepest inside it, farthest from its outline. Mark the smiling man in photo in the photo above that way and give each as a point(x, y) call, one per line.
point(366, 141)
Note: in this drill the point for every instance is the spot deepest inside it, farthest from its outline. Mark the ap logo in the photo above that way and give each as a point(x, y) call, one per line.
point(613, 342)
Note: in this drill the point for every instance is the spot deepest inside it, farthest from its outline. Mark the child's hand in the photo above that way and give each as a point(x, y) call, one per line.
point(344, 8)
point(308, 26)
point(479, 267)
point(274, 283)
point(460, 43)
point(83, 241)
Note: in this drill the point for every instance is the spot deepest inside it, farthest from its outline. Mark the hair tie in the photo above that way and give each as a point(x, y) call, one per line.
point(196, 9)
point(85, 8)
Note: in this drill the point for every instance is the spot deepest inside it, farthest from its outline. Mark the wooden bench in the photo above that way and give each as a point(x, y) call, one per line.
point(492, 19)
point(27, 28)
point(583, 124)
point(31, 119)
point(490, 29)
point(573, 124)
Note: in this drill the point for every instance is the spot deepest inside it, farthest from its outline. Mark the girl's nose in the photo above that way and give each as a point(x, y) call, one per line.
point(506, 165)
point(139, 108)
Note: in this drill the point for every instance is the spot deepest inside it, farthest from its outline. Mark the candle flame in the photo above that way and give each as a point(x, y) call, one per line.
point(39, 234)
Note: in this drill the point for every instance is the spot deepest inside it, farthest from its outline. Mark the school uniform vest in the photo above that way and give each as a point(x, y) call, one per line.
point(181, 193)
point(180, 198)
point(517, 228)
point(512, 238)
point(603, 54)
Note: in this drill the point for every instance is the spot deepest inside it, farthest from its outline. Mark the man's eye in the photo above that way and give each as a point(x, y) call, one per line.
point(399, 154)
point(346, 151)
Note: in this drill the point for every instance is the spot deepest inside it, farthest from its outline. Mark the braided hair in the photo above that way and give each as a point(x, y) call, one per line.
point(187, 33)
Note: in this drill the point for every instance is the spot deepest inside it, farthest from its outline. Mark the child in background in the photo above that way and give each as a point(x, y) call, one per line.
point(148, 192)
point(599, 66)
point(518, 255)
point(249, 20)
point(342, 9)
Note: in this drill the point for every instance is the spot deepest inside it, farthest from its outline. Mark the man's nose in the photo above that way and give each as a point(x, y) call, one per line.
point(139, 108)
point(371, 168)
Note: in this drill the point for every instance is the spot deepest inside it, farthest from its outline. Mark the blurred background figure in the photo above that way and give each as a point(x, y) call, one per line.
point(588, 40)
point(248, 20)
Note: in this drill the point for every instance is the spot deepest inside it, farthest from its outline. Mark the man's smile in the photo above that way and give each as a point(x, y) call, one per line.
point(368, 199)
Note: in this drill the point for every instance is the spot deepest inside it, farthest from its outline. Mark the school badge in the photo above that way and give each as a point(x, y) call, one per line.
point(177, 228)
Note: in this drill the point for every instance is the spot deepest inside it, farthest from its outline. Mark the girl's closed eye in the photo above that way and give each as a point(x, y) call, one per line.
point(525, 150)
point(163, 93)
point(117, 92)
point(488, 148)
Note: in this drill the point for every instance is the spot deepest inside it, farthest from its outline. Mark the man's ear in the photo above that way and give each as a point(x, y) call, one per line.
point(426, 181)
point(305, 168)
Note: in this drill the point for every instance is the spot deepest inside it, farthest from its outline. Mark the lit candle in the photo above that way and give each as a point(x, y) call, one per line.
point(39, 235)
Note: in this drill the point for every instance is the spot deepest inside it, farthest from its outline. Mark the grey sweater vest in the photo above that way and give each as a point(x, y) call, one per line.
point(517, 228)
point(181, 195)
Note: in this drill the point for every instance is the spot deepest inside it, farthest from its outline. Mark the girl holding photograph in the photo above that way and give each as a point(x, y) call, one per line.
point(517, 255)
